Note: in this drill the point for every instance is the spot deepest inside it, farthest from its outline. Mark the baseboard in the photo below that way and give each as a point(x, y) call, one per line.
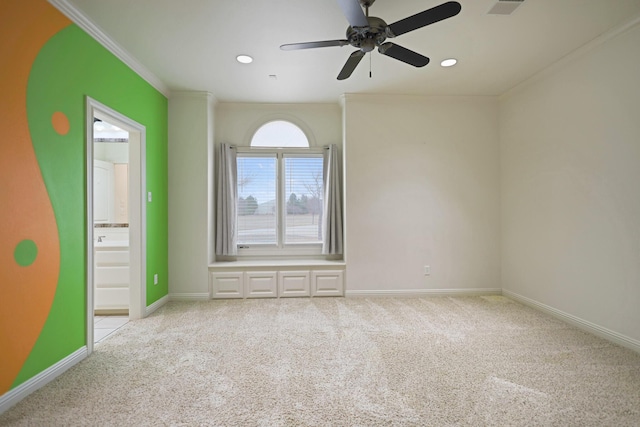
point(15, 395)
point(111, 312)
point(422, 292)
point(156, 305)
point(182, 296)
point(585, 325)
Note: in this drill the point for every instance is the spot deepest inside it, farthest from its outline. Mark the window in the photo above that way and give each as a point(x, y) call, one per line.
point(257, 207)
point(280, 192)
point(279, 200)
point(281, 134)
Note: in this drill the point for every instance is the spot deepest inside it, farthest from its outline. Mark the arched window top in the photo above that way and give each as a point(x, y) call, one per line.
point(279, 133)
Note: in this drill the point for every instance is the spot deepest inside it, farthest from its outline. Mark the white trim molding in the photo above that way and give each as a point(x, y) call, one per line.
point(182, 296)
point(585, 325)
point(91, 28)
point(423, 292)
point(579, 52)
point(15, 395)
point(193, 94)
point(156, 305)
point(137, 212)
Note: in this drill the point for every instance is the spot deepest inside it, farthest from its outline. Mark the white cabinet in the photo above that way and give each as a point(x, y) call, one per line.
point(121, 192)
point(261, 284)
point(279, 282)
point(102, 191)
point(327, 283)
point(111, 276)
point(110, 192)
point(293, 284)
point(227, 285)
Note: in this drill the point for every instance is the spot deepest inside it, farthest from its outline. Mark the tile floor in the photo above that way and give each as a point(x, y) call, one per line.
point(104, 326)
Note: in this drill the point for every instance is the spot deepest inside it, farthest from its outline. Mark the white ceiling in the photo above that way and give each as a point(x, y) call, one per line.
point(192, 44)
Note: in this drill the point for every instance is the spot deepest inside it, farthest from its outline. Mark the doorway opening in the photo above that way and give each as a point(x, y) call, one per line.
point(116, 238)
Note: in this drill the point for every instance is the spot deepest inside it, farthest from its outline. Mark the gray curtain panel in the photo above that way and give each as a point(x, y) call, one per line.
point(226, 239)
point(332, 227)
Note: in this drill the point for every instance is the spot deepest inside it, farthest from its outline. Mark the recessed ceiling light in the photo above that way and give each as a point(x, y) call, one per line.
point(449, 62)
point(244, 59)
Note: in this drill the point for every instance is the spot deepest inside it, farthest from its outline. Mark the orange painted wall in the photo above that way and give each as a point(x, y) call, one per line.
point(48, 66)
point(29, 252)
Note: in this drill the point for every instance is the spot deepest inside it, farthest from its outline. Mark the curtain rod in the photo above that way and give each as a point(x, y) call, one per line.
point(326, 147)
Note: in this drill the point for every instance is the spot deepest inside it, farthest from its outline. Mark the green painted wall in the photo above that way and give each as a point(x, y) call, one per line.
point(71, 66)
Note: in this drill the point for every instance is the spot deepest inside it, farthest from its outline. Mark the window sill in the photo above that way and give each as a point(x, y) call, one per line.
point(276, 263)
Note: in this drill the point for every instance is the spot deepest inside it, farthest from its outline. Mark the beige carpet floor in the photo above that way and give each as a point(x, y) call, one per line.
point(471, 361)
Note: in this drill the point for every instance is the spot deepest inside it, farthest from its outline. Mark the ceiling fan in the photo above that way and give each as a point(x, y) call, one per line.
point(366, 32)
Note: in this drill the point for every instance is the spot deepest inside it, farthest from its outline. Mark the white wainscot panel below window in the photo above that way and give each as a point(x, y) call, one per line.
point(227, 285)
point(294, 284)
point(261, 284)
point(327, 283)
point(276, 282)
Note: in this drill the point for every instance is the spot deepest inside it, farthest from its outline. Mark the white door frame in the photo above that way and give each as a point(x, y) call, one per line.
point(137, 212)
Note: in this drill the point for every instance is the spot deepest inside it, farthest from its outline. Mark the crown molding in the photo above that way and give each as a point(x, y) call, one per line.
point(572, 56)
point(90, 27)
point(191, 94)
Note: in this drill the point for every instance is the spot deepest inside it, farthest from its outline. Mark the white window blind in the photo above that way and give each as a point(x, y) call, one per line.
point(257, 200)
point(280, 201)
point(303, 192)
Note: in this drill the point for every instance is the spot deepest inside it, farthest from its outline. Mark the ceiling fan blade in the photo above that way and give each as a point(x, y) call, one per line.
point(427, 17)
point(312, 45)
point(351, 64)
point(353, 12)
point(403, 54)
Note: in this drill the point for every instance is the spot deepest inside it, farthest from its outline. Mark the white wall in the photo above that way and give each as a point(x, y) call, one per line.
point(570, 156)
point(422, 188)
point(114, 152)
point(190, 155)
point(236, 122)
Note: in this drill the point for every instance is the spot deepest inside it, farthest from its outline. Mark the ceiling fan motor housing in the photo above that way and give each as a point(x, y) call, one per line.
point(367, 38)
point(366, 3)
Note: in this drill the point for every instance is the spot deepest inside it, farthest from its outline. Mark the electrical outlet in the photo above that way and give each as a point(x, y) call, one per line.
point(155, 279)
point(427, 270)
point(149, 196)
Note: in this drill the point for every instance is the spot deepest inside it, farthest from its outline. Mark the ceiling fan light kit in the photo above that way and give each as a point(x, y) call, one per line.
point(368, 32)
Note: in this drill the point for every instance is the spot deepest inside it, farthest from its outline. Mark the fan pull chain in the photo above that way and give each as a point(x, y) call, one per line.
point(366, 8)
